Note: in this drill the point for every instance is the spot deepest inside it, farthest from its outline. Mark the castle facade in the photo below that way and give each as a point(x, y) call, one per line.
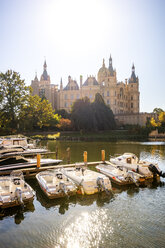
point(122, 97)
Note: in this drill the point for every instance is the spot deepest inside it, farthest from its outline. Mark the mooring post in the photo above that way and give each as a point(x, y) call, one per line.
point(68, 155)
point(85, 157)
point(103, 155)
point(56, 152)
point(38, 160)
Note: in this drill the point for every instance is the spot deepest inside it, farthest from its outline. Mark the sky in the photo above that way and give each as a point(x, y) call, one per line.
point(75, 35)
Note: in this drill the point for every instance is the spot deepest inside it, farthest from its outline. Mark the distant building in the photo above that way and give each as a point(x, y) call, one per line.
point(122, 97)
point(44, 88)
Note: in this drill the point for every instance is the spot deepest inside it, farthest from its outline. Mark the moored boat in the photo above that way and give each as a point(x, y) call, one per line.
point(120, 176)
point(55, 184)
point(14, 191)
point(19, 162)
point(131, 162)
point(18, 146)
point(88, 181)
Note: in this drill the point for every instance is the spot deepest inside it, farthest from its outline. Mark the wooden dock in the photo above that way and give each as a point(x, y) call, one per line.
point(31, 172)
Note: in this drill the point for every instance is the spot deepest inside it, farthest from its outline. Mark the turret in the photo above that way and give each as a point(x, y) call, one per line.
point(111, 67)
point(61, 85)
point(81, 79)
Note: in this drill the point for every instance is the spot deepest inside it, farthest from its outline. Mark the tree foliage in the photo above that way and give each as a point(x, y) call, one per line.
point(21, 111)
point(64, 124)
point(38, 113)
point(160, 123)
point(63, 113)
point(13, 96)
point(92, 116)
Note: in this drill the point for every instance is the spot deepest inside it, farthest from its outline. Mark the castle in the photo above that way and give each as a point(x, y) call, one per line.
point(122, 97)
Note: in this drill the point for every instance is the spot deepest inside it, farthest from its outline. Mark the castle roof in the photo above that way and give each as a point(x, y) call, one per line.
point(72, 85)
point(90, 81)
point(44, 75)
point(133, 78)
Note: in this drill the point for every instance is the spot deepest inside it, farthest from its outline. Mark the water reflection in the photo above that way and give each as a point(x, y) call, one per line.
point(132, 217)
point(86, 230)
point(18, 213)
point(63, 204)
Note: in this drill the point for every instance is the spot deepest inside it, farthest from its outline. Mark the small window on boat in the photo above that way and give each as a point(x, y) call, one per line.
point(7, 142)
point(129, 160)
point(16, 142)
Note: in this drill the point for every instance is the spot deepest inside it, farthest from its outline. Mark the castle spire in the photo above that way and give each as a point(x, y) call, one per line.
point(45, 65)
point(61, 85)
point(103, 63)
point(133, 76)
point(35, 79)
point(133, 67)
point(110, 61)
point(110, 66)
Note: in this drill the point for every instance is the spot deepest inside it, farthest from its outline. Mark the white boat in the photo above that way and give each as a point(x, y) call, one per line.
point(18, 146)
point(55, 184)
point(120, 176)
point(131, 162)
point(14, 191)
point(19, 162)
point(88, 181)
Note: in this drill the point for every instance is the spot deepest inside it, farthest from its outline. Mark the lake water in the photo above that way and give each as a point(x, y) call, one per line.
point(131, 217)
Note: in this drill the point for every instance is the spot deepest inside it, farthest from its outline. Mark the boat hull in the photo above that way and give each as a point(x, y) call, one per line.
point(89, 182)
point(52, 188)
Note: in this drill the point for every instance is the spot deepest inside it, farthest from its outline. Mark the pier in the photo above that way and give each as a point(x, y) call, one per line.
point(30, 172)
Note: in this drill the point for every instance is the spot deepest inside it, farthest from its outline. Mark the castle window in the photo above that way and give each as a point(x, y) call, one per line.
point(108, 102)
point(107, 93)
point(131, 104)
point(115, 102)
point(121, 92)
point(115, 93)
point(42, 92)
point(66, 105)
point(65, 96)
point(131, 97)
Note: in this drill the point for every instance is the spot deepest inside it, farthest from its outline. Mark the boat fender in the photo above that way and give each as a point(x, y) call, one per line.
point(18, 193)
point(100, 183)
point(63, 188)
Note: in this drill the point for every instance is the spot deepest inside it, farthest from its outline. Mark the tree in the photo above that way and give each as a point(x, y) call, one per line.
point(81, 114)
point(63, 113)
point(160, 123)
point(103, 115)
point(64, 124)
point(92, 116)
point(38, 114)
point(13, 96)
point(157, 111)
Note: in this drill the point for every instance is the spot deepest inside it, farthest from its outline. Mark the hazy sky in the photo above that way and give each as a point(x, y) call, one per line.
point(75, 35)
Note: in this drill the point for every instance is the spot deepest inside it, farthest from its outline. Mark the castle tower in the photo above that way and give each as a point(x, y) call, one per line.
point(133, 92)
point(61, 85)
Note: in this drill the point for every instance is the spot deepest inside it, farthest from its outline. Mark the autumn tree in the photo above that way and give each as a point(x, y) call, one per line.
point(160, 122)
point(64, 124)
